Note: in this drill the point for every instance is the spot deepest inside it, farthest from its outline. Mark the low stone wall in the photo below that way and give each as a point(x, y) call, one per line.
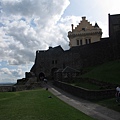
point(6, 88)
point(85, 93)
point(20, 88)
point(14, 88)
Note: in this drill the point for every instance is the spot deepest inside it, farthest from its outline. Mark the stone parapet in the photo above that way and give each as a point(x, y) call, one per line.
point(6, 88)
point(85, 93)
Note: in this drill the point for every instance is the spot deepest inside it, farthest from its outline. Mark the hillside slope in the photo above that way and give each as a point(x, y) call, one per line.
point(108, 72)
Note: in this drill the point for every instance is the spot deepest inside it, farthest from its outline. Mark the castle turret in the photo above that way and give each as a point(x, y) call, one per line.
point(72, 26)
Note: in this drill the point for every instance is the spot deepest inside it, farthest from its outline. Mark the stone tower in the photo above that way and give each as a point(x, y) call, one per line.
point(84, 33)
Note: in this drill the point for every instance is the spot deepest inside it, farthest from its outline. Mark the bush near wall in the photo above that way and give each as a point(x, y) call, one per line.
point(85, 93)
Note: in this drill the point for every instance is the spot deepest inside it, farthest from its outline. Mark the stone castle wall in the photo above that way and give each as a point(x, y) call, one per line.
point(85, 93)
point(6, 88)
point(78, 57)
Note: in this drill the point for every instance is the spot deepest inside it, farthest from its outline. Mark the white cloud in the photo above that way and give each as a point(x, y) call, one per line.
point(5, 71)
point(12, 72)
point(37, 26)
point(11, 75)
point(23, 30)
point(26, 29)
point(17, 73)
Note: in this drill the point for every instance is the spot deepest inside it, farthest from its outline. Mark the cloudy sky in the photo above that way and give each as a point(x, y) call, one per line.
point(30, 25)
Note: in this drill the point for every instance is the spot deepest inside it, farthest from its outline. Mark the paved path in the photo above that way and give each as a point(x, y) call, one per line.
point(94, 110)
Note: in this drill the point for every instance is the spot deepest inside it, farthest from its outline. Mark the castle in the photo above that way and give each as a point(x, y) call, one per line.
point(87, 48)
point(84, 33)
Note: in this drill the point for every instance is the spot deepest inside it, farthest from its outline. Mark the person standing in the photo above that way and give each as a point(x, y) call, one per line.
point(45, 81)
point(118, 94)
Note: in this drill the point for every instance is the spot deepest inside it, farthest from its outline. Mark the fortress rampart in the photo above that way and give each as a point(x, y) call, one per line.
point(78, 57)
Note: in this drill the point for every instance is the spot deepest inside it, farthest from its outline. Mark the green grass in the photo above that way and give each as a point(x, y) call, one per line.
point(108, 72)
point(87, 85)
point(110, 103)
point(35, 105)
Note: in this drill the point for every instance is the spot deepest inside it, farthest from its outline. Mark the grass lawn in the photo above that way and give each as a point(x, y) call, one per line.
point(36, 105)
point(87, 85)
point(110, 103)
point(108, 72)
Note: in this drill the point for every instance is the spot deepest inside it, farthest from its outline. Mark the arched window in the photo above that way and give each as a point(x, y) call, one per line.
point(77, 42)
point(81, 42)
point(87, 40)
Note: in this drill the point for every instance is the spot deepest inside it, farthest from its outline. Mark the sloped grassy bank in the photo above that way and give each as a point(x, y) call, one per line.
point(107, 72)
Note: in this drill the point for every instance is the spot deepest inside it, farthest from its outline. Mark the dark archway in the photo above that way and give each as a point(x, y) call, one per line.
point(53, 70)
point(41, 76)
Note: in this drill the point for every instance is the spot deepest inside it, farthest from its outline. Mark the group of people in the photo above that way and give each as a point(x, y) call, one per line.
point(117, 94)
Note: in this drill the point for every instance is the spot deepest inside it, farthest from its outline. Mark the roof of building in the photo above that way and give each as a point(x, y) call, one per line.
point(59, 70)
point(55, 51)
point(70, 70)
